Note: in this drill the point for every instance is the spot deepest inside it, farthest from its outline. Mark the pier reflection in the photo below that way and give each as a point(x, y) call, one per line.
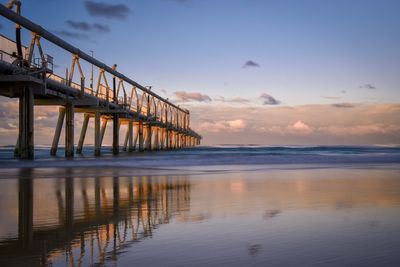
point(83, 221)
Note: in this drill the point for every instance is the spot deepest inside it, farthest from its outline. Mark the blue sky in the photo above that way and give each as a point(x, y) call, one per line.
point(306, 49)
point(250, 71)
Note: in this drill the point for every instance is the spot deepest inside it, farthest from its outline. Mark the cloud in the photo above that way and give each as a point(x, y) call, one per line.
point(361, 130)
point(269, 100)
point(364, 124)
point(100, 28)
point(105, 10)
point(74, 35)
point(84, 26)
point(300, 127)
point(343, 105)
point(45, 117)
point(191, 96)
point(317, 124)
point(367, 86)
point(236, 125)
point(79, 25)
point(343, 91)
point(251, 64)
point(239, 100)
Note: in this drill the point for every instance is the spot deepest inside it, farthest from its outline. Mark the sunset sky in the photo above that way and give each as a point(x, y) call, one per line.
point(295, 72)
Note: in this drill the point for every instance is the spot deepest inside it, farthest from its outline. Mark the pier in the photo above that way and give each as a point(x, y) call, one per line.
point(153, 122)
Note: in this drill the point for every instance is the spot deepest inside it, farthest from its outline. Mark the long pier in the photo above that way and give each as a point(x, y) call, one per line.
point(154, 123)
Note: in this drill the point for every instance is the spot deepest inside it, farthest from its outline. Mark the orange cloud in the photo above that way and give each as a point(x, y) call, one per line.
point(300, 127)
point(362, 124)
point(222, 126)
point(238, 124)
point(191, 96)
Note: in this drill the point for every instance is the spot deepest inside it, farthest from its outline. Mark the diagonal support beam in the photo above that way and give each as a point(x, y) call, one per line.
point(85, 124)
point(103, 130)
point(57, 133)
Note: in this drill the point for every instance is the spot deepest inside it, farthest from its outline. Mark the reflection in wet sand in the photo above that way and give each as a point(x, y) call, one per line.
point(287, 217)
point(87, 221)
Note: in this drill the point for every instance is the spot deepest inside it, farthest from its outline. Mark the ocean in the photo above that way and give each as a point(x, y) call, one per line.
point(205, 206)
point(212, 155)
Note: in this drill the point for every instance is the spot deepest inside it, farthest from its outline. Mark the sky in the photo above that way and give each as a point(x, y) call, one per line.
point(270, 72)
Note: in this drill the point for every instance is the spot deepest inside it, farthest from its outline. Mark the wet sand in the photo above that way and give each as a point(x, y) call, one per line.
point(241, 215)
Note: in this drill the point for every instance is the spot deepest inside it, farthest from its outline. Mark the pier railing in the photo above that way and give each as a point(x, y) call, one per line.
point(116, 94)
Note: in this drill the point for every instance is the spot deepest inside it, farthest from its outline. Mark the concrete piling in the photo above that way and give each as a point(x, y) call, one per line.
point(103, 130)
point(97, 134)
point(69, 130)
point(130, 136)
point(115, 145)
point(26, 134)
point(140, 136)
point(83, 133)
point(148, 137)
point(57, 133)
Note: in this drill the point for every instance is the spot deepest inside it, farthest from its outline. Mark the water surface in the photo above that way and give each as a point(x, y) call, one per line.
point(252, 215)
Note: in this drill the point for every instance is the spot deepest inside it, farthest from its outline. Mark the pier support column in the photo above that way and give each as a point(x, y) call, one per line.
point(176, 140)
point(83, 133)
point(156, 138)
point(130, 137)
point(25, 142)
point(115, 134)
point(125, 146)
point(162, 138)
point(69, 130)
point(57, 133)
point(148, 137)
point(171, 140)
point(181, 141)
point(97, 134)
point(166, 134)
point(135, 140)
point(140, 136)
point(103, 131)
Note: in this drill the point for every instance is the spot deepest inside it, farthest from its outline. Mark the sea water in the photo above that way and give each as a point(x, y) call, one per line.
point(206, 206)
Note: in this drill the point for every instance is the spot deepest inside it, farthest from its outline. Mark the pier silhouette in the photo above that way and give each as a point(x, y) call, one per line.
point(153, 122)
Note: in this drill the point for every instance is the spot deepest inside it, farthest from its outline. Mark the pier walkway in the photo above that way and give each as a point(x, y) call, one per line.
point(154, 123)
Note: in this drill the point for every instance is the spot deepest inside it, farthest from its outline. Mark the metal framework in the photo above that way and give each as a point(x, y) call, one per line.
point(158, 123)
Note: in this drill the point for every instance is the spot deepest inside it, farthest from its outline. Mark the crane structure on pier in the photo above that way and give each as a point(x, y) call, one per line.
point(154, 123)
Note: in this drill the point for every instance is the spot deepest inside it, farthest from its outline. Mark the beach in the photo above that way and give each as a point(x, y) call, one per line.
point(324, 213)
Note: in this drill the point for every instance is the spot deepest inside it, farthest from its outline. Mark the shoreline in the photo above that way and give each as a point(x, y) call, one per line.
point(198, 170)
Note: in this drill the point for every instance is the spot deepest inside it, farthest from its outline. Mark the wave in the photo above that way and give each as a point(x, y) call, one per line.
point(211, 155)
